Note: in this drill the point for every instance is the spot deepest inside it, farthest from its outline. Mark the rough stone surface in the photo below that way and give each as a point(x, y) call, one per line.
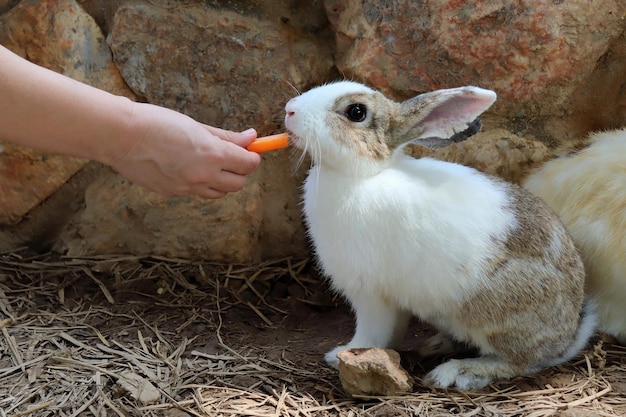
point(61, 36)
point(121, 218)
point(217, 66)
point(40, 229)
point(600, 103)
point(282, 231)
point(532, 53)
point(309, 16)
point(28, 177)
point(373, 371)
point(497, 152)
point(7, 4)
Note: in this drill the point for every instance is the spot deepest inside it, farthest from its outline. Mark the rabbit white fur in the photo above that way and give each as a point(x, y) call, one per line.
point(482, 260)
point(587, 189)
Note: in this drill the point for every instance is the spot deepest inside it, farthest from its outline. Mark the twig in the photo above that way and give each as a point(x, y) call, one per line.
point(576, 403)
point(102, 287)
point(33, 409)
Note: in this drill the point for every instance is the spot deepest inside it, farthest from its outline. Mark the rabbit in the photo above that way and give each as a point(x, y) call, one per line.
point(586, 186)
point(482, 260)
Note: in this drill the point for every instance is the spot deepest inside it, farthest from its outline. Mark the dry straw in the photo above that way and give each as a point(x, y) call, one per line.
point(146, 336)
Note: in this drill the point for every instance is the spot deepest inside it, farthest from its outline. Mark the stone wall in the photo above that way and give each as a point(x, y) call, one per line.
point(559, 69)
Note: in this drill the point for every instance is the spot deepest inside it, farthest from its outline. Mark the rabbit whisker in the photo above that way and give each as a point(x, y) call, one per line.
point(300, 160)
point(293, 87)
point(318, 158)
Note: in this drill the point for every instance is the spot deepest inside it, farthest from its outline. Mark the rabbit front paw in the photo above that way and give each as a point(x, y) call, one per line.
point(331, 357)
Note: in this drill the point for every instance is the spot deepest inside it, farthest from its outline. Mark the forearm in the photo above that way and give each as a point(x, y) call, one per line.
point(160, 149)
point(52, 113)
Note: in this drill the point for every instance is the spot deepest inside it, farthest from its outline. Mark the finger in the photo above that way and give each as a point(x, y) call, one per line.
point(201, 190)
point(228, 182)
point(157, 183)
point(240, 161)
point(209, 193)
point(242, 139)
point(168, 188)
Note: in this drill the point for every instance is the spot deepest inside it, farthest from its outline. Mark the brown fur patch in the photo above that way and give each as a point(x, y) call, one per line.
point(409, 115)
point(538, 227)
point(369, 137)
point(535, 225)
point(528, 309)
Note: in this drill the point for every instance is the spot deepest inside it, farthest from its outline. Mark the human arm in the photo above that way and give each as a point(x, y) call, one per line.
point(160, 149)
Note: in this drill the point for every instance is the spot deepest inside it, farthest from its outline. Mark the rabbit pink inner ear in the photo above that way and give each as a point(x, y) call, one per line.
point(454, 109)
point(444, 113)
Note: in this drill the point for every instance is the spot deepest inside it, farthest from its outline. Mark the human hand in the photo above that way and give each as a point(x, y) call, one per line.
point(172, 154)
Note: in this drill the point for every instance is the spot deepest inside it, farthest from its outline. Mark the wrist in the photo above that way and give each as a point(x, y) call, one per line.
point(124, 135)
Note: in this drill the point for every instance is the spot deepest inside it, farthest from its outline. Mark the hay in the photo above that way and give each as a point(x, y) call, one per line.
point(150, 336)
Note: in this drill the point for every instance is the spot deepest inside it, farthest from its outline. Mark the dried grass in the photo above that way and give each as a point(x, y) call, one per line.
point(130, 336)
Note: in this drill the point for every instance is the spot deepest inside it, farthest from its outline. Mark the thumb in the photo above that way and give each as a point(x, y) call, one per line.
point(242, 139)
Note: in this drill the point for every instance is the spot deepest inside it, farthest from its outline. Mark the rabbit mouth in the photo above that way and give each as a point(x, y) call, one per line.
point(294, 139)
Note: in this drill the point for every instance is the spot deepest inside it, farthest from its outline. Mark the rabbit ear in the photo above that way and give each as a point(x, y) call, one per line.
point(440, 118)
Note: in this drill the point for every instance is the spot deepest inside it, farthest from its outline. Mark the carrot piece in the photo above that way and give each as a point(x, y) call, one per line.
point(269, 143)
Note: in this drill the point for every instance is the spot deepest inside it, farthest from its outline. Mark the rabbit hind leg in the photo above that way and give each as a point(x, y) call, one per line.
point(471, 373)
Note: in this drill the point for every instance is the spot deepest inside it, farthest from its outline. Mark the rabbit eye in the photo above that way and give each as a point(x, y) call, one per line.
point(356, 112)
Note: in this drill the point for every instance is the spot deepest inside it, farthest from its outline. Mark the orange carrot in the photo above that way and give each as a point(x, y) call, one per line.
point(269, 143)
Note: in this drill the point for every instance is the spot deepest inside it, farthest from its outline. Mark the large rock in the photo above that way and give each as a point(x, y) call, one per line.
point(220, 67)
point(282, 231)
point(59, 35)
point(309, 16)
point(495, 151)
point(120, 217)
point(6, 5)
point(534, 56)
point(600, 103)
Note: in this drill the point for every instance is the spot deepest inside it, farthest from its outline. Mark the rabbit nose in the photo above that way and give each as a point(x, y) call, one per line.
point(290, 108)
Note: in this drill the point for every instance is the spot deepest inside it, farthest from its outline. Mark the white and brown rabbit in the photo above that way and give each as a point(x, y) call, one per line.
point(483, 260)
point(586, 186)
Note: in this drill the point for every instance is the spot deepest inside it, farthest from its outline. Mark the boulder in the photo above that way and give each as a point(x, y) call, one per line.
point(534, 57)
point(220, 67)
point(7, 4)
point(600, 103)
point(123, 218)
point(309, 16)
point(496, 152)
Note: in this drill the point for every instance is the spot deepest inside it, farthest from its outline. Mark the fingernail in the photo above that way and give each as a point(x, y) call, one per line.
point(249, 132)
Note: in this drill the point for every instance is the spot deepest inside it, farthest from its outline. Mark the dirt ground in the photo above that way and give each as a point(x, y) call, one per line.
point(128, 336)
